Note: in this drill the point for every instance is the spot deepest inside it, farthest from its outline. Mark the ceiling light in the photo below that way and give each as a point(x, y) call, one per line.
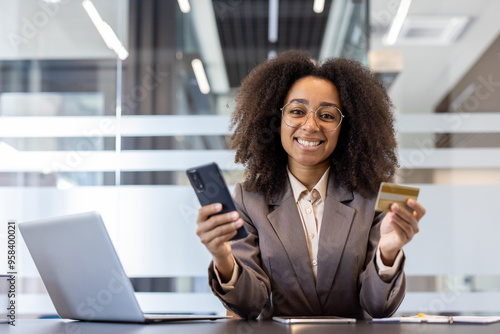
point(201, 77)
point(398, 21)
point(432, 30)
point(108, 35)
point(319, 6)
point(271, 54)
point(184, 6)
point(273, 21)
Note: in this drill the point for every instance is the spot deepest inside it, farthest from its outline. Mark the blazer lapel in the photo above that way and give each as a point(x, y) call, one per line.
point(286, 223)
point(335, 228)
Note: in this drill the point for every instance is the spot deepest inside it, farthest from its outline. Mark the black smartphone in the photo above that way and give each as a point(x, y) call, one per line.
point(209, 186)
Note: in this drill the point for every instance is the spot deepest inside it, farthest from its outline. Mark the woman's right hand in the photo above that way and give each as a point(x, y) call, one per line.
point(215, 233)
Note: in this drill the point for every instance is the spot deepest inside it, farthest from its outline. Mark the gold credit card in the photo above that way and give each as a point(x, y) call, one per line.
point(394, 193)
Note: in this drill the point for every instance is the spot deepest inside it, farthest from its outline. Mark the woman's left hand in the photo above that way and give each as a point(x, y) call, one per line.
point(397, 229)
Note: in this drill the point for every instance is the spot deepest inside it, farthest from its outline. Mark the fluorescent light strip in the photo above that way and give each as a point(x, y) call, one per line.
point(184, 6)
point(106, 32)
point(271, 54)
point(398, 21)
point(201, 77)
point(273, 21)
point(319, 6)
point(92, 13)
point(204, 17)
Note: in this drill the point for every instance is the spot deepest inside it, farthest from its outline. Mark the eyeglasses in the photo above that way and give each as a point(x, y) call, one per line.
point(296, 114)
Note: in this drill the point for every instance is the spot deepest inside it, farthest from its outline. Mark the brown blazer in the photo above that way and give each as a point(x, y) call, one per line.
point(276, 277)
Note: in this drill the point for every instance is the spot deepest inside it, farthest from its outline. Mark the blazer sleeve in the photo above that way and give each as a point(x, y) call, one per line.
point(252, 290)
point(379, 298)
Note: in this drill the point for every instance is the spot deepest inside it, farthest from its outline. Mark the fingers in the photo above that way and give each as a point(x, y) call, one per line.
point(418, 209)
point(405, 220)
point(206, 211)
point(215, 231)
point(207, 224)
point(219, 233)
point(402, 227)
point(214, 240)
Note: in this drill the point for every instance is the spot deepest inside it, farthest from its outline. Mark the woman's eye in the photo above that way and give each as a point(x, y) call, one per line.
point(327, 116)
point(297, 112)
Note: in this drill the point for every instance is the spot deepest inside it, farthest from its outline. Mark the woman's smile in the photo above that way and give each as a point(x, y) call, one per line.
point(309, 142)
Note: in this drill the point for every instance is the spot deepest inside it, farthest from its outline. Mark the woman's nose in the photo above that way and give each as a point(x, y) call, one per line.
point(310, 123)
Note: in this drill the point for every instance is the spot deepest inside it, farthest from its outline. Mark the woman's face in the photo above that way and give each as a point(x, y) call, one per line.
point(308, 145)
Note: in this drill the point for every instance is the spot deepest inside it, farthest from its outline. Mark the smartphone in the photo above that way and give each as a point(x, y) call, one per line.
point(209, 186)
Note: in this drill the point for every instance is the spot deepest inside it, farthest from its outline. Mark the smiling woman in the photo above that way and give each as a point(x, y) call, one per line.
point(365, 153)
point(316, 141)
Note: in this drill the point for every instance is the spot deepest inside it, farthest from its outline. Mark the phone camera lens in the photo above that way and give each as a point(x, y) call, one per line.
point(197, 182)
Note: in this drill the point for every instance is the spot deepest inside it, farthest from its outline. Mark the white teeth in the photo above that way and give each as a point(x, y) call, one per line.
point(308, 143)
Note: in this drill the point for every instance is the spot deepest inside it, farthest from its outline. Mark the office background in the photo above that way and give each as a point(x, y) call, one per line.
point(102, 108)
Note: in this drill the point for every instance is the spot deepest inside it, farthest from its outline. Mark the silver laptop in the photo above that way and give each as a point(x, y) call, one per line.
point(82, 272)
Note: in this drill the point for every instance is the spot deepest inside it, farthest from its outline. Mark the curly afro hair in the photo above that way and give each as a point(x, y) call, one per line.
point(366, 151)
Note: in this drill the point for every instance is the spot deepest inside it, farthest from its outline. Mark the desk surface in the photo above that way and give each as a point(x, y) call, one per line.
point(238, 327)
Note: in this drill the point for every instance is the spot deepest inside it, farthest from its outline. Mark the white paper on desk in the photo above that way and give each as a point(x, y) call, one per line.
point(440, 319)
point(475, 319)
point(437, 319)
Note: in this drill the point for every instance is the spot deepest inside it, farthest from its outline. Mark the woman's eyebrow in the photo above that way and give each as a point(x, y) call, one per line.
point(303, 101)
point(322, 104)
point(328, 104)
